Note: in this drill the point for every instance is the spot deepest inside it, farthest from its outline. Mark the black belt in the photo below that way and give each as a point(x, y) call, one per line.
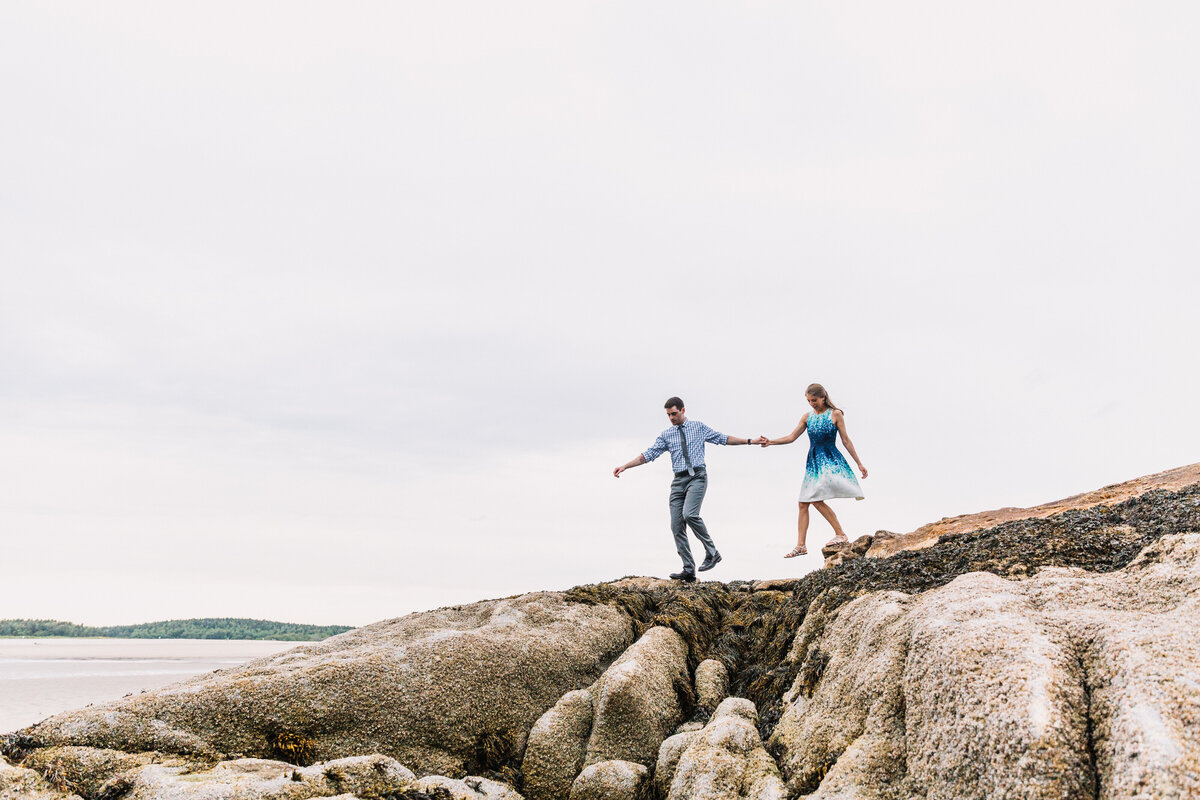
point(699, 471)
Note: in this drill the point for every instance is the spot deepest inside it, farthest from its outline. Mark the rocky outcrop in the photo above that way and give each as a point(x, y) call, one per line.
point(1050, 656)
point(1065, 684)
point(450, 692)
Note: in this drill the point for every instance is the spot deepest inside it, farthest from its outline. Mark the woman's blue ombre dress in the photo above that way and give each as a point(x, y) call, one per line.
point(826, 474)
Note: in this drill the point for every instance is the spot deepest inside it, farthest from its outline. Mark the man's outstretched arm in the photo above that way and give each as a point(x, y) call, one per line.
point(637, 462)
point(654, 451)
point(716, 437)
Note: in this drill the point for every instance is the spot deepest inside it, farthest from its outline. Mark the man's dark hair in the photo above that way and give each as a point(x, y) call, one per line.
point(674, 402)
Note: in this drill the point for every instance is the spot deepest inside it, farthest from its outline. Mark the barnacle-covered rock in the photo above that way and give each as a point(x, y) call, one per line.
point(557, 747)
point(468, 788)
point(20, 783)
point(727, 760)
point(87, 769)
point(449, 692)
point(637, 699)
point(263, 779)
point(672, 749)
point(612, 780)
point(1066, 684)
point(712, 684)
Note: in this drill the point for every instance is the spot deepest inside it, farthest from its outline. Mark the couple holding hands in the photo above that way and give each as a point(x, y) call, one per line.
point(826, 475)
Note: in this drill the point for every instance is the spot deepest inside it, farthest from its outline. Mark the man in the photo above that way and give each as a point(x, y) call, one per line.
point(685, 439)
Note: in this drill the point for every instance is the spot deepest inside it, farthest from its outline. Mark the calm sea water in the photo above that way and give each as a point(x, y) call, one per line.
point(41, 677)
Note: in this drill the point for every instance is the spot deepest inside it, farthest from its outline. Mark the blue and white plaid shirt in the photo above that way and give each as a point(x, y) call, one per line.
point(697, 434)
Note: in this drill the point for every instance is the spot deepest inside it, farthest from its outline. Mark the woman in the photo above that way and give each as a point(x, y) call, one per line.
point(827, 475)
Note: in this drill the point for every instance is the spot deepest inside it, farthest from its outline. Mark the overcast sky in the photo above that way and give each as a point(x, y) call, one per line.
point(330, 312)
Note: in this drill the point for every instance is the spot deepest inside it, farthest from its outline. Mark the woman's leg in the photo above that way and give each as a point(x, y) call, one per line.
point(823, 508)
point(802, 525)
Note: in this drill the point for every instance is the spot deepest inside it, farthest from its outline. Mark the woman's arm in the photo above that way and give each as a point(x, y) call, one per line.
point(839, 419)
point(791, 437)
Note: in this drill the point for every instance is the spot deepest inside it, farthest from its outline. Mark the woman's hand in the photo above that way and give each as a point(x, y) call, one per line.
point(863, 470)
point(763, 441)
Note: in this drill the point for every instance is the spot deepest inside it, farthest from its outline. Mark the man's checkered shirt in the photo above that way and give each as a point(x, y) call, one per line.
point(697, 434)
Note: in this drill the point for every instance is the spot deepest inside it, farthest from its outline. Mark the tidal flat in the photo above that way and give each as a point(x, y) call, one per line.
point(42, 677)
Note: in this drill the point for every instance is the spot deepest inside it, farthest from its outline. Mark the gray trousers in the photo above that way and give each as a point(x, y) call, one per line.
point(687, 493)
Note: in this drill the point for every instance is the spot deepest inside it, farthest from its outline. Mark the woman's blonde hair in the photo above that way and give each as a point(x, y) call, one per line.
point(818, 391)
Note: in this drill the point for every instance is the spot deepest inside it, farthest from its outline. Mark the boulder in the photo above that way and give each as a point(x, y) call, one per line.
point(637, 699)
point(612, 780)
point(1066, 684)
point(727, 760)
point(712, 684)
point(262, 779)
point(669, 753)
point(469, 788)
point(557, 746)
point(447, 692)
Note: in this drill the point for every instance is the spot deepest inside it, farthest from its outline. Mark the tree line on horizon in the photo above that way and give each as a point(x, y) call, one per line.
point(208, 628)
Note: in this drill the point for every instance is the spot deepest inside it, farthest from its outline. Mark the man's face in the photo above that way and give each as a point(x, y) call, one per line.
point(675, 414)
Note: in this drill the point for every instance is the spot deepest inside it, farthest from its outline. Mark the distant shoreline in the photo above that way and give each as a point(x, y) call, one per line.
point(218, 628)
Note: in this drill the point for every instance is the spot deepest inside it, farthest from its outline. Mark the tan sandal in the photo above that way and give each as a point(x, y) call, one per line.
point(799, 551)
point(836, 540)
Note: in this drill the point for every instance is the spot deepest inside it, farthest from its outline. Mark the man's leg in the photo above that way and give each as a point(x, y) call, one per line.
point(691, 512)
point(678, 494)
